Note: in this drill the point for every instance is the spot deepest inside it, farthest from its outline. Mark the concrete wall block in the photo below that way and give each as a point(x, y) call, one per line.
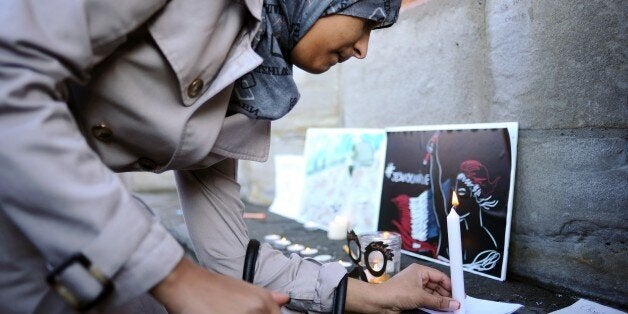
point(559, 64)
point(317, 107)
point(570, 177)
point(429, 68)
point(588, 266)
point(568, 227)
point(257, 181)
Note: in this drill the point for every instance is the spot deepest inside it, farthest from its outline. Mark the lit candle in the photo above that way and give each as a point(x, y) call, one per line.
point(345, 248)
point(376, 263)
point(270, 238)
point(281, 243)
point(379, 279)
point(337, 229)
point(295, 247)
point(323, 258)
point(455, 255)
point(308, 252)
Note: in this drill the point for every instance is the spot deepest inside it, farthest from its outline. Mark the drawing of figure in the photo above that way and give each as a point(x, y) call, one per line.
point(474, 188)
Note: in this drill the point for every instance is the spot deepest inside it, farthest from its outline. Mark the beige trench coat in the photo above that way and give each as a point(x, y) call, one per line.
point(158, 77)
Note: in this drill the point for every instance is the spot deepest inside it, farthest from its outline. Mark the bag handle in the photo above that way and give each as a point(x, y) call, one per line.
point(252, 250)
point(341, 296)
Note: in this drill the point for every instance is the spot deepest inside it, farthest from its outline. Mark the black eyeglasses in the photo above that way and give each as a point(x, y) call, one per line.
point(376, 256)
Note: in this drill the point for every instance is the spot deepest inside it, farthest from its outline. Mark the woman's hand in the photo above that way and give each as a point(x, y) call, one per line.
point(190, 288)
point(419, 286)
point(415, 287)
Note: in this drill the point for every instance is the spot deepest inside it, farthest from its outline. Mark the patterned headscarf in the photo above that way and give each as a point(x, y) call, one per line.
point(269, 92)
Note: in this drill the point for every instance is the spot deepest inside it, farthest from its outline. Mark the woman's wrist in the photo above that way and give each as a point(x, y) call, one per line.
point(364, 297)
point(167, 289)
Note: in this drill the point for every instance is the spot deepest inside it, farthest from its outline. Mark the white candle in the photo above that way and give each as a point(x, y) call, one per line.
point(323, 258)
point(455, 256)
point(270, 238)
point(337, 229)
point(281, 243)
point(295, 247)
point(308, 252)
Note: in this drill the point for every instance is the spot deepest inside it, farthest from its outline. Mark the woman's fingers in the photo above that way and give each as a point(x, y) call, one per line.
point(280, 298)
point(440, 302)
point(433, 287)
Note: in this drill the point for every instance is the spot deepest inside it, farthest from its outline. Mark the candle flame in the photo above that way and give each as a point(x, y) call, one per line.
point(454, 199)
point(386, 234)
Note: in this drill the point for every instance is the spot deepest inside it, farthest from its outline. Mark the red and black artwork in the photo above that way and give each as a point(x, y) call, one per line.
point(424, 166)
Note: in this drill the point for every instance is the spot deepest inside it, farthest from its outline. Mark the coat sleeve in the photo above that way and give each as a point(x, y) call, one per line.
point(213, 213)
point(53, 187)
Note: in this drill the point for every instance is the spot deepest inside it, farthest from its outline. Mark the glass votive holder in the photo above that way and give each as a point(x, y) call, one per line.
point(377, 259)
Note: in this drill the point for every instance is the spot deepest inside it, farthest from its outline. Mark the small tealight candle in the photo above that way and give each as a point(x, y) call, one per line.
point(270, 238)
point(295, 248)
point(308, 252)
point(281, 243)
point(323, 258)
point(379, 279)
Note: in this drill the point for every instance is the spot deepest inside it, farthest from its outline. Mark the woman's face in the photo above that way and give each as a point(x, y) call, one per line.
point(332, 39)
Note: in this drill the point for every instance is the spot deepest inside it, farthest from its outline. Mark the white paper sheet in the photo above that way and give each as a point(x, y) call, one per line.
point(584, 306)
point(479, 306)
point(289, 175)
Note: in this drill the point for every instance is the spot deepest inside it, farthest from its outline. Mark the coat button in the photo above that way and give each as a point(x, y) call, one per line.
point(147, 164)
point(195, 88)
point(102, 132)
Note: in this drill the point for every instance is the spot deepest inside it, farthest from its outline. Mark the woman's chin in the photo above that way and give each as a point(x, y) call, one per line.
point(314, 68)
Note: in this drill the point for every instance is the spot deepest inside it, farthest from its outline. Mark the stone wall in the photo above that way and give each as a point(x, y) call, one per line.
point(556, 67)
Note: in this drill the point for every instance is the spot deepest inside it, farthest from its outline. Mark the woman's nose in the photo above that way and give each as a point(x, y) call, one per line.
point(361, 46)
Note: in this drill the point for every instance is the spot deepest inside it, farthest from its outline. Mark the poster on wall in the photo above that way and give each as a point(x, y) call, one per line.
point(343, 177)
point(424, 166)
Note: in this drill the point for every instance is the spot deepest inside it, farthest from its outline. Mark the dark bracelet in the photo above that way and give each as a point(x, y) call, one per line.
point(341, 296)
point(252, 250)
